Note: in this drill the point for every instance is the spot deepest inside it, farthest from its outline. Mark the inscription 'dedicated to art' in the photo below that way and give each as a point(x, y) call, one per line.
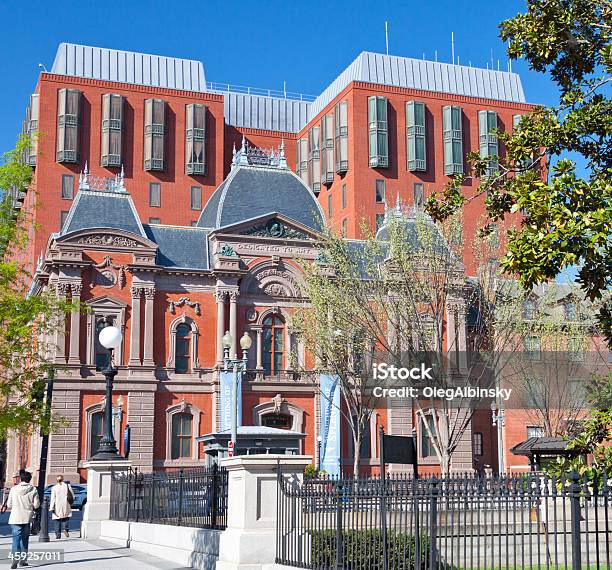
point(107, 239)
point(275, 249)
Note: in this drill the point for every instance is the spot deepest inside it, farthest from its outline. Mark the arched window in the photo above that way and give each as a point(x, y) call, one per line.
point(183, 349)
point(181, 435)
point(96, 431)
point(273, 344)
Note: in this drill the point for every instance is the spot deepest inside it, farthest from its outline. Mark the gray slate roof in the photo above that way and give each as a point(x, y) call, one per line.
point(96, 209)
point(180, 247)
point(129, 67)
point(252, 191)
point(427, 75)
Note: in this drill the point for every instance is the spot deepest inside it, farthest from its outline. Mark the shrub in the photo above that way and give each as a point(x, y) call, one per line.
point(363, 549)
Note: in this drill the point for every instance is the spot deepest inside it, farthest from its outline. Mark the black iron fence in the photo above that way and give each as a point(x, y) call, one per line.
point(186, 497)
point(528, 521)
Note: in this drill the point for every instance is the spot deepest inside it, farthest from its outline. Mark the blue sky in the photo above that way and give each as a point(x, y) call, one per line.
point(260, 44)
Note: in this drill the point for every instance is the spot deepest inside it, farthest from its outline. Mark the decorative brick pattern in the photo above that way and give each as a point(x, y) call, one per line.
point(141, 408)
point(64, 444)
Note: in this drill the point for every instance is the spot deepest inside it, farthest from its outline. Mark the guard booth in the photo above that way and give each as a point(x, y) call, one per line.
point(252, 440)
point(539, 450)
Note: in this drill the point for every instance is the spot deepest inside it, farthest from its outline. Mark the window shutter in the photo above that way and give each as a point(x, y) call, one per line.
point(302, 160)
point(32, 128)
point(453, 140)
point(327, 148)
point(195, 139)
point(314, 159)
point(487, 124)
point(415, 136)
point(341, 125)
point(155, 127)
point(112, 124)
point(68, 112)
point(378, 135)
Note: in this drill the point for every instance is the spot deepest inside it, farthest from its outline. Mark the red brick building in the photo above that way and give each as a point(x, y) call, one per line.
point(152, 258)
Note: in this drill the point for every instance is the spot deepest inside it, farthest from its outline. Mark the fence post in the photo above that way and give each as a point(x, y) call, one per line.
point(180, 505)
point(152, 502)
point(128, 482)
point(339, 538)
point(433, 523)
point(213, 496)
point(417, 529)
point(575, 488)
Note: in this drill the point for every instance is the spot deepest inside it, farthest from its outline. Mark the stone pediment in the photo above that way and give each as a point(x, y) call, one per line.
point(270, 226)
point(105, 239)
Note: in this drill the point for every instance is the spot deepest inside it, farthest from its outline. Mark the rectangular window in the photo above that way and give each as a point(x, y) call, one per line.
point(453, 140)
point(575, 349)
point(380, 220)
point(67, 186)
point(477, 439)
point(302, 160)
point(68, 112)
point(32, 128)
point(343, 196)
point(112, 124)
point(377, 132)
point(329, 206)
point(535, 431)
point(314, 158)
point(196, 198)
point(154, 133)
point(155, 194)
point(327, 148)
point(418, 194)
point(415, 136)
point(63, 218)
point(427, 447)
point(195, 139)
point(487, 128)
point(341, 124)
point(365, 450)
point(181, 436)
point(531, 347)
point(344, 227)
point(380, 191)
point(154, 221)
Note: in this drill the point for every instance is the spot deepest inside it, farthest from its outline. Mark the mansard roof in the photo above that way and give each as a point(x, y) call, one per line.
point(111, 207)
point(180, 247)
point(259, 185)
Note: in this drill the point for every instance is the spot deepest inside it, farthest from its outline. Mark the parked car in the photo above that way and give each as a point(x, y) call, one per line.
point(80, 495)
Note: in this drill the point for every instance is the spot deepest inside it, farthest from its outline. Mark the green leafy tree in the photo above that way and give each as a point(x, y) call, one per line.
point(567, 218)
point(27, 321)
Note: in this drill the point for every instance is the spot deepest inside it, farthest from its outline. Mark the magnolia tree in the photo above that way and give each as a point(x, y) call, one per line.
point(562, 358)
point(401, 298)
point(27, 321)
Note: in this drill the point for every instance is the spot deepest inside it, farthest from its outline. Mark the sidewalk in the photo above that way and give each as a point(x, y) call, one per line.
point(80, 554)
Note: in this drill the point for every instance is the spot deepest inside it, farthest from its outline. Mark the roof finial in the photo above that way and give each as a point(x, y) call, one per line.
point(282, 161)
point(84, 180)
point(398, 204)
point(243, 159)
point(121, 181)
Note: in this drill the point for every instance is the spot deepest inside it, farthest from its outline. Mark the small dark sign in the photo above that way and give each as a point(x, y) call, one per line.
point(399, 449)
point(126, 440)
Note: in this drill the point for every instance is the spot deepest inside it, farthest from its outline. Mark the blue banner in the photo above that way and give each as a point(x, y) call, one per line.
point(329, 428)
point(226, 381)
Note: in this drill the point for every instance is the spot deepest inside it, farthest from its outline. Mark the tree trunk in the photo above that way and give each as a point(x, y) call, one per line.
point(356, 458)
point(445, 463)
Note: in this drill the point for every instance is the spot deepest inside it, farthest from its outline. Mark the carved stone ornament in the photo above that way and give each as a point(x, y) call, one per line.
point(108, 262)
point(108, 239)
point(276, 229)
point(251, 315)
point(278, 402)
point(276, 290)
point(226, 250)
point(105, 278)
point(184, 301)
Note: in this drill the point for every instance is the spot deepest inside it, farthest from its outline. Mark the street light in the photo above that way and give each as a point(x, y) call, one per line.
point(497, 419)
point(110, 338)
point(238, 365)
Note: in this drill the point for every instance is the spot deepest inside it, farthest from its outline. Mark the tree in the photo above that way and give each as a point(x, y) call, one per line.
point(551, 378)
point(26, 321)
point(600, 391)
point(567, 219)
point(402, 298)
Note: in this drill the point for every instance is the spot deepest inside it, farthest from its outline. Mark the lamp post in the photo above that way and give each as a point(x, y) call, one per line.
point(238, 365)
point(110, 338)
point(497, 418)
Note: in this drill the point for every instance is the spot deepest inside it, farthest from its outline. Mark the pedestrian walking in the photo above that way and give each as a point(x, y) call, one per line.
point(62, 497)
point(22, 501)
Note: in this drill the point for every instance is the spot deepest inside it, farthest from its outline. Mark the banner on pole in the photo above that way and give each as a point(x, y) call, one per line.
point(226, 381)
point(329, 427)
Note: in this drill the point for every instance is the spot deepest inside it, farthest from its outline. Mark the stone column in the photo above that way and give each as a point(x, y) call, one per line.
point(75, 324)
point(60, 334)
point(233, 296)
point(99, 481)
point(135, 327)
point(259, 348)
point(149, 293)
point(220, 297)
point(249, 541)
